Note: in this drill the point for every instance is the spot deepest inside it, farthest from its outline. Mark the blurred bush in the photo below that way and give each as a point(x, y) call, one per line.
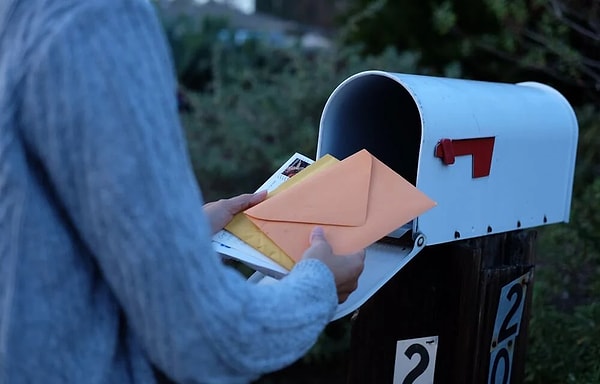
point(261, 106)
point(565, 325)
point(553, 41)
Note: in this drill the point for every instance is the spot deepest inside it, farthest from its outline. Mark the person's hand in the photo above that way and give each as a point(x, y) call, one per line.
point(221, 212)
point(346, 268)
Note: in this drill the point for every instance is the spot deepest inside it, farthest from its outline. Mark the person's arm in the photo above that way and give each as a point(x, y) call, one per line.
point(102, 118)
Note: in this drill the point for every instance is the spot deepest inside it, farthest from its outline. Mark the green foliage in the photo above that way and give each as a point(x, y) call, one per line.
point(427, 27)
point(191, 42)
point(326, 362)
point(569, 271)
point(444, 18)
point(556, 42)
point(256, 114)
point(565, 345)
point(588, 155)
point(565, 326)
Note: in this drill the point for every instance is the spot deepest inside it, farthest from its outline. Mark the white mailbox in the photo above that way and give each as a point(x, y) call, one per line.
point(495, 157)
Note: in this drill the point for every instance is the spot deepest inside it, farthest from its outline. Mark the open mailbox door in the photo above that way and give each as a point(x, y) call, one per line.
point(495, 157)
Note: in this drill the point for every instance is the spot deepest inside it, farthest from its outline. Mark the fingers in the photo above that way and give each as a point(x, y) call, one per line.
point(355, 263)
point(361, 255)
point(258, 197)
point(317, 235)
point(318, 242)
point(222, 211)
point(242, 202)
point(346, 269)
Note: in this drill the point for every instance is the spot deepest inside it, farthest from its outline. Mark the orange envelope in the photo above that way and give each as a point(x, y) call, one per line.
point(357, 201)
point(244, 229)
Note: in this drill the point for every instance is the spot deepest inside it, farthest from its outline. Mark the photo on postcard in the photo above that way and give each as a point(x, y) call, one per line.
point(296, 166)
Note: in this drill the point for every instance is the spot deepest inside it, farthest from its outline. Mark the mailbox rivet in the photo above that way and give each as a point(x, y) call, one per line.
point(489, 229)
point(420, 241)
point(457, 235)
point(519, 224)
point(545, 219)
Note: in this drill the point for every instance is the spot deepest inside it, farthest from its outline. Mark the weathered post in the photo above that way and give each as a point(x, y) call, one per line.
point(453, 292)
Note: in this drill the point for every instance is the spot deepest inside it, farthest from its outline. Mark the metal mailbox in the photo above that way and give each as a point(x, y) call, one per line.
point(495, 157)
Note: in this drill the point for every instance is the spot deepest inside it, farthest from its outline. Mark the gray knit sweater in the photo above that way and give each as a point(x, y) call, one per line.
point(106, 267)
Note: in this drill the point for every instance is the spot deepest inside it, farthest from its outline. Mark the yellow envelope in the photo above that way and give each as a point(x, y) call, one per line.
point(357, 201)
point(244, 229)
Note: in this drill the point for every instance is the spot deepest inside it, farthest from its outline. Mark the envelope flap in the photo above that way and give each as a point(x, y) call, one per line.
point(337, 195)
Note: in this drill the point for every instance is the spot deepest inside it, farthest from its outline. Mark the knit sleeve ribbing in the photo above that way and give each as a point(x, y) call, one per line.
point(101, 117)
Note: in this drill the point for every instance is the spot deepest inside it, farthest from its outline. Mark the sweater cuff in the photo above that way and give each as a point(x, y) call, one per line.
point(318, 280)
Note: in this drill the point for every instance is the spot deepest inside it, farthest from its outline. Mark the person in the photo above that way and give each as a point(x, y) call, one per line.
point(107, 274)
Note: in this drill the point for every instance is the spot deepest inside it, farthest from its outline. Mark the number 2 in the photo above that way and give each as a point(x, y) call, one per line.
point(508, 321)
point(421, 367)
point(409, 369)
point(505, 330)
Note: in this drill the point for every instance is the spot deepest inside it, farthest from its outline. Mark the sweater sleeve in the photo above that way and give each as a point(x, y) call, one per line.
point(101, 117)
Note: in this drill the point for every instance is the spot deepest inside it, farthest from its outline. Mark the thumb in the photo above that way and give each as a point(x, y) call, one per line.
point(258, 197)
point(317, 236)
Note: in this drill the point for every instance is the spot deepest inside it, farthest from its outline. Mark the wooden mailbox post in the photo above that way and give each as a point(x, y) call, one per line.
point(450, 291)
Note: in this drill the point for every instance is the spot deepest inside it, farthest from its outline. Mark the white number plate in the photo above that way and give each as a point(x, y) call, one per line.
point(415, 360)
point(506, 329)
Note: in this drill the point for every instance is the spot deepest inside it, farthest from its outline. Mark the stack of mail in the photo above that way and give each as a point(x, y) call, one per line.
point(357, 201)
